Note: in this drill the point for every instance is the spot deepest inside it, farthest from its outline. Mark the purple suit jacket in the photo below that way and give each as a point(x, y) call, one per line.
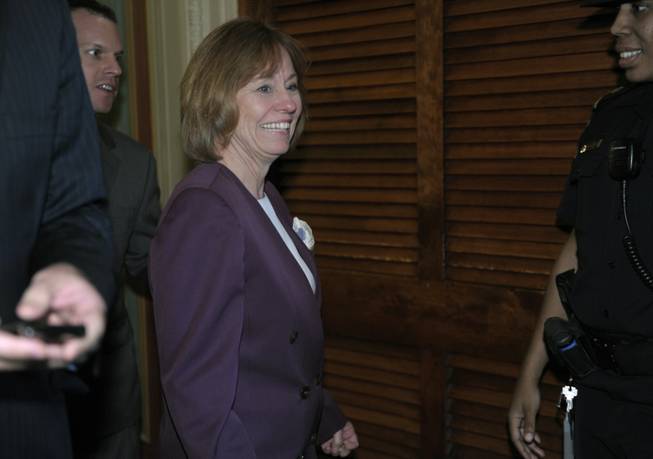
point(238, 327)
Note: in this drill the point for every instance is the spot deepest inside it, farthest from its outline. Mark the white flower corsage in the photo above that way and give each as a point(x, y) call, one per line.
point(304, 232)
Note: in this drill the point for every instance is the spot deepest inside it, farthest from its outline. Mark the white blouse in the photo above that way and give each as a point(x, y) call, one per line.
point(272, 215)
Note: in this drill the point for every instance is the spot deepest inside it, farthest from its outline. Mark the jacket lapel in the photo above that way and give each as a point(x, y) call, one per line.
point(285, 218)
point(289, 273)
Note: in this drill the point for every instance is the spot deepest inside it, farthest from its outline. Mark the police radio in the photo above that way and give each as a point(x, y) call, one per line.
point(625, 158)
point(565, 340)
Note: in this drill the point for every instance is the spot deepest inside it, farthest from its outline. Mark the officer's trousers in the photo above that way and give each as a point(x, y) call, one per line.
point(606, 428)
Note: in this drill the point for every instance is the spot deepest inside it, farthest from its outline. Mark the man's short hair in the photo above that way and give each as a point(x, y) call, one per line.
point(94, 7)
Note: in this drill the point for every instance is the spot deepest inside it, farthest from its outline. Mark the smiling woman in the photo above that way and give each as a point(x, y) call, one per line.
point(606, 204)
point(209, 106)
point(236, 294)
point(269, 108)
point(633, 28)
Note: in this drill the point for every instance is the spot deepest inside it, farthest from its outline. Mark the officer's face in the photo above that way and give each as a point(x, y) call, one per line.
point(633, 28)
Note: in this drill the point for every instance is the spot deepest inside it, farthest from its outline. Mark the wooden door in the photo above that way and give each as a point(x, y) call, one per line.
point(439, 140)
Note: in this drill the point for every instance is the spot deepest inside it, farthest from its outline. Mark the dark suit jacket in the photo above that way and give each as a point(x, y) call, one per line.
point(51, 198)
point(114, 402)
point(238, 327)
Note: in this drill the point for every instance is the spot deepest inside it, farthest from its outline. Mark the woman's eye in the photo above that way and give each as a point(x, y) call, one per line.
point(93, 52)
point(292, 87)
point(265, 89)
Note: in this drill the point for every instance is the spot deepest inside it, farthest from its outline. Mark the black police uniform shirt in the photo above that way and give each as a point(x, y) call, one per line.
point(609, 295)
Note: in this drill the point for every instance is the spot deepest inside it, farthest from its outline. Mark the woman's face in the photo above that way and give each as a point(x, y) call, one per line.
point(269, 108)
point(633, 29)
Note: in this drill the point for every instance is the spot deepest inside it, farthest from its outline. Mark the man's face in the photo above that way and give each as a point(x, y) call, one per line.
point(633, 29)
point(100, 51)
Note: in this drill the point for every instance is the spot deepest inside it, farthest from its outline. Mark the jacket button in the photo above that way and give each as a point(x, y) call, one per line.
point(293, 336)
point(318, 379)
point(305, 392)
point(313, 438)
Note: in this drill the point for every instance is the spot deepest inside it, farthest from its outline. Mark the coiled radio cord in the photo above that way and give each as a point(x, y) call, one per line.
point(631, 247)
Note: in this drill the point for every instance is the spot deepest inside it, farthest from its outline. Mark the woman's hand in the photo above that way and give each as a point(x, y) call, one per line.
point(521, 420)
point(342, 443)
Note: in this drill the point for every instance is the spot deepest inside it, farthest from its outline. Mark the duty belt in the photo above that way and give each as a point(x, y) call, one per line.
point(614, 352)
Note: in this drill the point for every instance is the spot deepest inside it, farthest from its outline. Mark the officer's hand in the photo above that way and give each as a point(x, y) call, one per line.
point(521, 420)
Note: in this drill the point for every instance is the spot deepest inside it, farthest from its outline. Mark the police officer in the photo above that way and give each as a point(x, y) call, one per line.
point(608, 204)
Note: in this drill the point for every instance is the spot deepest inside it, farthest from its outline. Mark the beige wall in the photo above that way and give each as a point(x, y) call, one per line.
point(175, 28)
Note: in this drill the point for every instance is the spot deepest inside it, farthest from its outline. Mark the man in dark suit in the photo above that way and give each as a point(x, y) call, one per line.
point(55, 241)
point(106, 422)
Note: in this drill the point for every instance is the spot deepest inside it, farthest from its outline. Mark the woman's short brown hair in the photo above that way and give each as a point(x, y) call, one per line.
point(227, 59)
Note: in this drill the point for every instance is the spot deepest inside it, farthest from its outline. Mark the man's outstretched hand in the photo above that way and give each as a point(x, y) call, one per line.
point(57, 295)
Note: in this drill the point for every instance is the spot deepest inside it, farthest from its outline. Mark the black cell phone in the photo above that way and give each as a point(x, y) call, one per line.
point(43, 331)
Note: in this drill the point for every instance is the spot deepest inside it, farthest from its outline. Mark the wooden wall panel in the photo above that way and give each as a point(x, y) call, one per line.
point(439, 140)
point(479, 393)
point(353, 176)
point(378, 388)
point(503, 138)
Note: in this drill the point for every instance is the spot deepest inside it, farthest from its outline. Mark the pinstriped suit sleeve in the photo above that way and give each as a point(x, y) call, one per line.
point(50, 198)
point(75, 227)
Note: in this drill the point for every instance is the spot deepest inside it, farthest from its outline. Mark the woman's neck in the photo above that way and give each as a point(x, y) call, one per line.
point(249, 169)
